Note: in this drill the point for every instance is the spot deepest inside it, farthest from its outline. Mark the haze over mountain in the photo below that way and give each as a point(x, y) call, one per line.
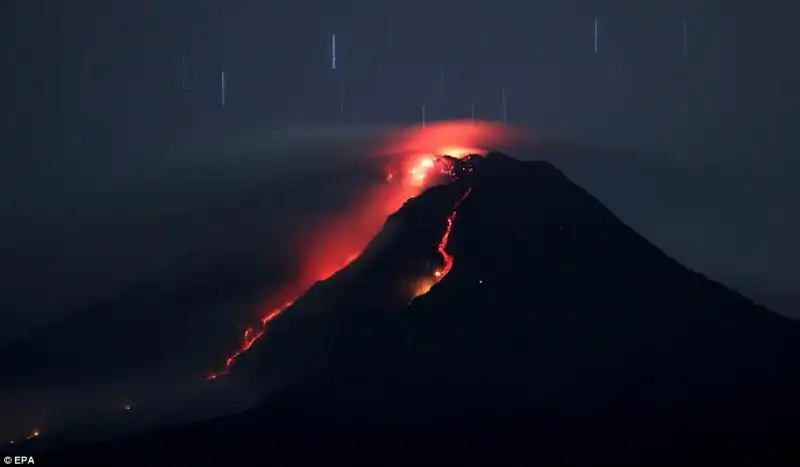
point(172, 261)
point(558, 331)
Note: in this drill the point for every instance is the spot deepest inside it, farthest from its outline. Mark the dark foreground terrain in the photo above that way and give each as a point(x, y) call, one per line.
point(560, 334)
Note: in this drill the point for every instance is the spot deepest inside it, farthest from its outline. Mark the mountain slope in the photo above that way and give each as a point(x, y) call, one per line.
point(558, 333)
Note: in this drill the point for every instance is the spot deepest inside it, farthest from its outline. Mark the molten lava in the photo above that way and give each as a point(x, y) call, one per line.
point(251, 335)
point(447, 258)
point(338, 241)
point(442, 248)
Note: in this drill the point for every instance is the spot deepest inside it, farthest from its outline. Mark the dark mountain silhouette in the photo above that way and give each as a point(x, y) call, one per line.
point(559, 334)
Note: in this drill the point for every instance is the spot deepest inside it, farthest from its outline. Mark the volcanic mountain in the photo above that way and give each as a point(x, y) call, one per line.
point(505, 316)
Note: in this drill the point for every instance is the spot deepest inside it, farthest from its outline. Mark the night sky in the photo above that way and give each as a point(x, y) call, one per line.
point(93, 86)
point(112, 70)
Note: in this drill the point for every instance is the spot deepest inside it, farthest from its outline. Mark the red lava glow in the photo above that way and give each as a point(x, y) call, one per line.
point(447, 258)
point(336, 242)
point(251, 335)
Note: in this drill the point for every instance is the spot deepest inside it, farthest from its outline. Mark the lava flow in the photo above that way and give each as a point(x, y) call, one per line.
point(447, 258)
point(251, 335)
point(339, 241)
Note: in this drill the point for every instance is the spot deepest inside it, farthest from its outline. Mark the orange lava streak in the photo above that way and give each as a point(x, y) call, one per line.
point(251, 335)
point(448, 259)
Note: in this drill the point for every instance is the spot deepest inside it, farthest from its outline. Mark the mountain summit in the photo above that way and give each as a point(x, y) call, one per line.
point(506, 316)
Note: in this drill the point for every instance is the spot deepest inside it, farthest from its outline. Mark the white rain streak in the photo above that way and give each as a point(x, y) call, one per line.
point(685, 37)
point(596, 34)
point(333, 51)
point(222, 87)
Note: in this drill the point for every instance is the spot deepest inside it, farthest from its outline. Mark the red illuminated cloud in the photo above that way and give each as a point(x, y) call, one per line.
point(439, 137)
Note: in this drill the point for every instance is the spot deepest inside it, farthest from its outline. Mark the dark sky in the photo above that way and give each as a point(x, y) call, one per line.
point(86, 78)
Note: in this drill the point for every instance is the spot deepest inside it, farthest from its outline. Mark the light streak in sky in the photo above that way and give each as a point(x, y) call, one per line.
point(685, 38)
point(222, 88)
point(596, 32)
point(333, 51)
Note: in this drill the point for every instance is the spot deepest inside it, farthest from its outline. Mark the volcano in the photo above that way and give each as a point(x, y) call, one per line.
point(504, 316)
